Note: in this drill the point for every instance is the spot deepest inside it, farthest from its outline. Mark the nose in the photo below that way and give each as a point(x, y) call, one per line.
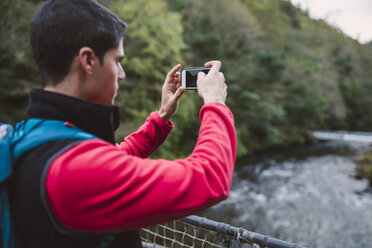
point(121, 74)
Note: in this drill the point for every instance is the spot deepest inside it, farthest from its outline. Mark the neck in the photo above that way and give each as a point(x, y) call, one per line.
point(98, 119)
point(73, 84)
point(69, 86)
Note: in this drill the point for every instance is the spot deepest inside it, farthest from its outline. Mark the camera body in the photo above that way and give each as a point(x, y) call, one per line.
point(189, 76)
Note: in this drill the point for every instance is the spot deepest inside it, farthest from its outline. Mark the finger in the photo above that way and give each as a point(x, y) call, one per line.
point(210, 63)
point(174, 70)
point(179, 93)
point(221, 75)
point(177, 76)
point(216, 67)
point(177, 81)
point(201, 75)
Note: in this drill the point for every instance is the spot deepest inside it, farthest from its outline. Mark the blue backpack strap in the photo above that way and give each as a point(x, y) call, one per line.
point(6, 133)
point(36, 131)
point(13, 144)
point(6, 235)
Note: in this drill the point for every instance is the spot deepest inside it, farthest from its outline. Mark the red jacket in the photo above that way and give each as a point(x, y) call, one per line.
point(97, 186)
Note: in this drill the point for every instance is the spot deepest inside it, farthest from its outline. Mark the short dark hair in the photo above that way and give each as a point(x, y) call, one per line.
point(61, 27)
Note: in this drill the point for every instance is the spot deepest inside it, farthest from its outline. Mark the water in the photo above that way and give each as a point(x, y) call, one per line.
point(346, 136)
point(306, 195)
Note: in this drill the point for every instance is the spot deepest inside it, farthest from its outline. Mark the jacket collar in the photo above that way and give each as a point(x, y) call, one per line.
point(100, 120)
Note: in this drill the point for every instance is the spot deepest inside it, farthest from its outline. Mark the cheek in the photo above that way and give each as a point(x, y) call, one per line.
point(112, 75)
point(116, 72)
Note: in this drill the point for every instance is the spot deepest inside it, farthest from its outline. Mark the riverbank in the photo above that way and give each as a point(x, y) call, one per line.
point(364, 165)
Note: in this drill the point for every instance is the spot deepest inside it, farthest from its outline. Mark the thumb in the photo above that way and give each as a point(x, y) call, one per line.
point(179, 93)
point(201, 75)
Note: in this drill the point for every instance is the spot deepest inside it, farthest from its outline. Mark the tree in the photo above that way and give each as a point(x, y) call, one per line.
point(18, 73)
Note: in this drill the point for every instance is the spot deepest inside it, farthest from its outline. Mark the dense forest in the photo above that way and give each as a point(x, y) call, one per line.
point(287, 74)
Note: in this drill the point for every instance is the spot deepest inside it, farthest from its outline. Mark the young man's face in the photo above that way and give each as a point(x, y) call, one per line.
point(106, 77)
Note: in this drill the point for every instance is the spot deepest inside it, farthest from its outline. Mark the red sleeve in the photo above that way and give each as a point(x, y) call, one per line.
point(95, 186)
point(148, 137)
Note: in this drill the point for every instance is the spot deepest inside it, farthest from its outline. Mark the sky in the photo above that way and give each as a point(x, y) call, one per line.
point(353, 17)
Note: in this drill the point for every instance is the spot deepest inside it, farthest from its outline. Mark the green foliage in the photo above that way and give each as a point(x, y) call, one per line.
point(291, 11)
point(15, 53)
point(18, 73)
point(270, 65)
point(344, 64)
point(287, 74)
point(302, 104)
point(154, 40)
point(153, 45)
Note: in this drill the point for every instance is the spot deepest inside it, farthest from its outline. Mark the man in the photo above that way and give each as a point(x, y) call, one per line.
point(94, 193)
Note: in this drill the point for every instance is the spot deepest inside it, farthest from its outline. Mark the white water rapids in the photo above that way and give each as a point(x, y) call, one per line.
point(305, 195)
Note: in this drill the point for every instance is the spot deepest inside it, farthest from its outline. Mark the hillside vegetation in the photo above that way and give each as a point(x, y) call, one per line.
point(287, 74)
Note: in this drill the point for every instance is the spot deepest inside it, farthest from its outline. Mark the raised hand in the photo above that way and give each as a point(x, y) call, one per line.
point(212, 87)
point(171, 93)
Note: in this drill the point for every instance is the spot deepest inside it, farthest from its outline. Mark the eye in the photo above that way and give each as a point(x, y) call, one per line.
point(120, 59)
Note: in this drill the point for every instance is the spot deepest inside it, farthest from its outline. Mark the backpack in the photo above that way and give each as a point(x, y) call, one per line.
point(13, 143)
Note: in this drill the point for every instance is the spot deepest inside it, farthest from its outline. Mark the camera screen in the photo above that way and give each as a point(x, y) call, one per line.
point(192, 76)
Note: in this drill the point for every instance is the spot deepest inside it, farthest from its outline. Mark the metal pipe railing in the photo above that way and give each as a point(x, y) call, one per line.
point(240, 234)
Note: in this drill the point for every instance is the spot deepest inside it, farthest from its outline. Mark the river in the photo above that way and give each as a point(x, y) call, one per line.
point(303, 194)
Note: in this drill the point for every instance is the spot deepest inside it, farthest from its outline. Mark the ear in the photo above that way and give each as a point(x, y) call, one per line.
point(87, 59)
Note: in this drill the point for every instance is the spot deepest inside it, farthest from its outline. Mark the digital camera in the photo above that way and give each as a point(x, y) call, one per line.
point(189, 76)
